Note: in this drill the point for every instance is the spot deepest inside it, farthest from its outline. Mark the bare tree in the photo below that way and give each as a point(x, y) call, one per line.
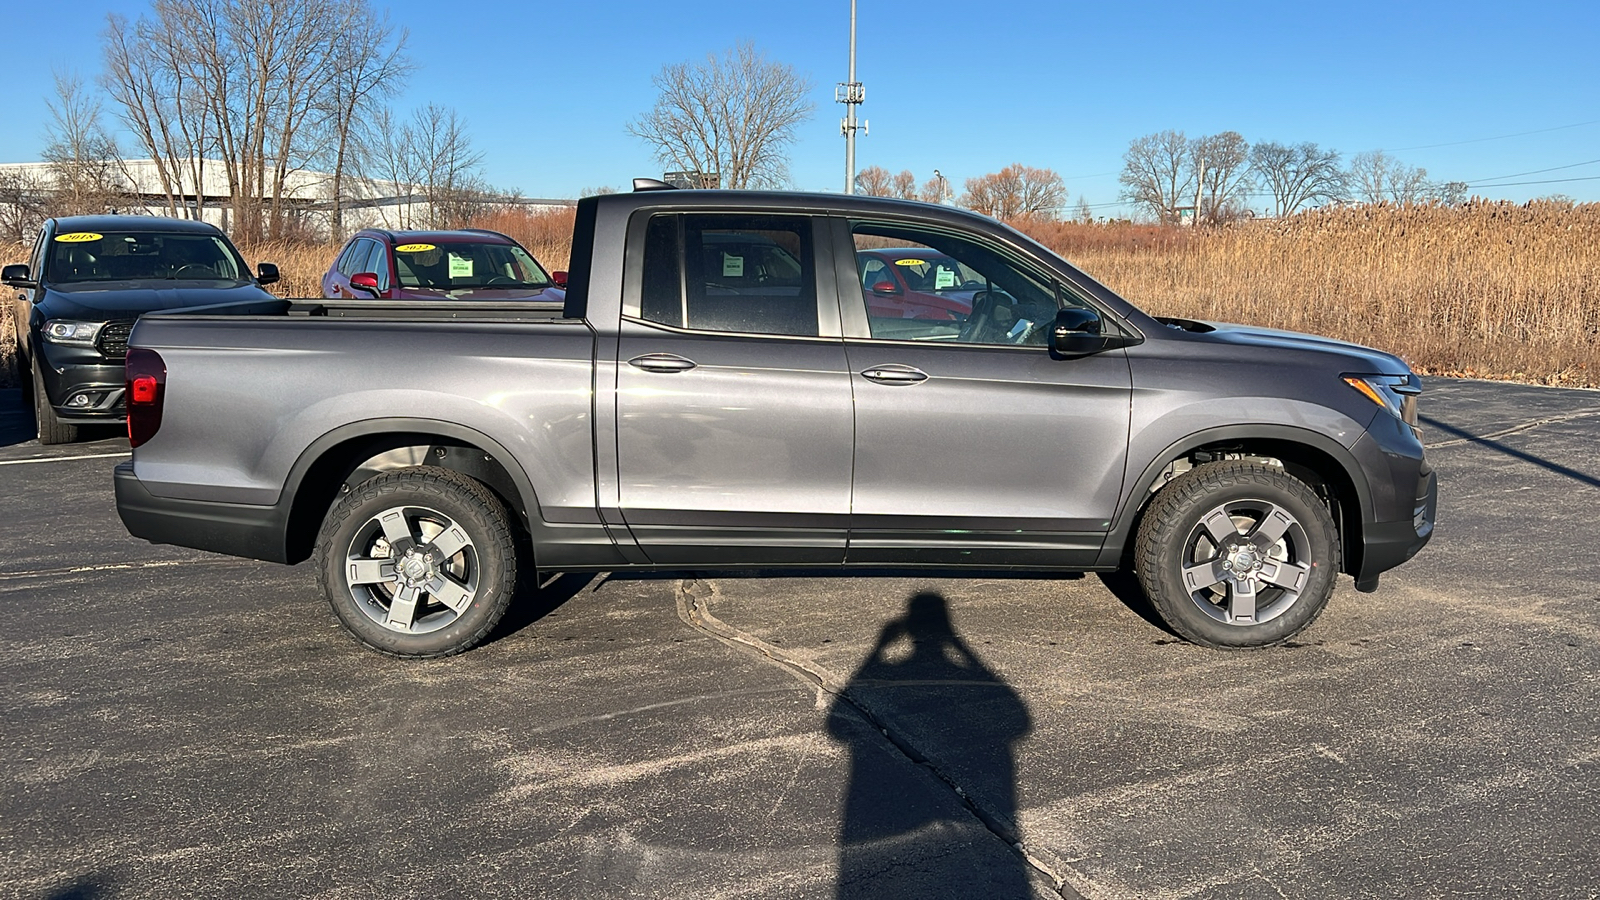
point(429, 159)
point(24, 204)
point(1376, 176)
point(1449, 193)
point(733, 115)
point(1085, 212)
point(84, 163)
point(1158, 176)
point(1297, 174)
point(1221, 165)
point(369, 66)
point(1016, 191)
point(875, 181)
point(904, 185)
point(253, 84)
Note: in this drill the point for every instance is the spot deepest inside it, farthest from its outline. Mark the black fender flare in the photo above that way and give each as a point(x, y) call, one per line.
point(1136, 499)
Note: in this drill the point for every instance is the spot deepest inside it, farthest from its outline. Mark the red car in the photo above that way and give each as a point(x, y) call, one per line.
point(916, 283)
point(468, 264)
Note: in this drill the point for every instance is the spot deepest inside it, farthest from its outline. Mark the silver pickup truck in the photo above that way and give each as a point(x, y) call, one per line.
point(765, 380)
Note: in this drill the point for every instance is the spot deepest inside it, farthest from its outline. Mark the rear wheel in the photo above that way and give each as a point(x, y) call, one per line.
point(418, 563)
point(1236, 555)
point(51, 429)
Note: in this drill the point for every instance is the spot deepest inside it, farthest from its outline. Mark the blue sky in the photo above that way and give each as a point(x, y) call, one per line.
point(967, 88)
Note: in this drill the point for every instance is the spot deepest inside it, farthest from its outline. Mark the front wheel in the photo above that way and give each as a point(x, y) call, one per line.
point(419, 562)
point(1236, 555)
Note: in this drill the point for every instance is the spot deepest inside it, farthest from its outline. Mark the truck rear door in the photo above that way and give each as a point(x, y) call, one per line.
point(734, 411)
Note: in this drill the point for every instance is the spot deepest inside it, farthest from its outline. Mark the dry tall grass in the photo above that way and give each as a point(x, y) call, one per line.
point(1496, 290)
point(1493, 290)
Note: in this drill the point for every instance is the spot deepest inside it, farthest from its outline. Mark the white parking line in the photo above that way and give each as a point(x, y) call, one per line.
point(40, 459)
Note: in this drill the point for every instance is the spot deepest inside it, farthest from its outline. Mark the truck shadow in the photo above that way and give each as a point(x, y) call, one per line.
point(535, 601)
point(1541, 462)
point(940, 821)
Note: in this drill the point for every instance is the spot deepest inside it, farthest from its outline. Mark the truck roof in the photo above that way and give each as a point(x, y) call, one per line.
point(132, 223)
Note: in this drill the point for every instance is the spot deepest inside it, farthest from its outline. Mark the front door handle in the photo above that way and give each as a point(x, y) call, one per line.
point(662, 362)
point(895, 374)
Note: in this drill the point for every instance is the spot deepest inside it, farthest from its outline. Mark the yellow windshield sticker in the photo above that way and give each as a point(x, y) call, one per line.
point(414, 248)
point(910, 262)
point(78, 237)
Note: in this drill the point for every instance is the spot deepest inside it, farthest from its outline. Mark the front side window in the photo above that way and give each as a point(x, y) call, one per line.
point(467, 265)
point(741, 273)
point(77, 257)
point(920, 284)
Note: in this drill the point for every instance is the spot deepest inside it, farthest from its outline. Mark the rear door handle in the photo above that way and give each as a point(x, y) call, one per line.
point(895, 374)
point(662, 362)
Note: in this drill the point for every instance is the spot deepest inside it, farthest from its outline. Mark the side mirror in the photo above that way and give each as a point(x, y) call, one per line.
point(365, 281)
point(266, 273)
point(16, 276)
point(885, 288)
point(1077, 332)
point(560, 278)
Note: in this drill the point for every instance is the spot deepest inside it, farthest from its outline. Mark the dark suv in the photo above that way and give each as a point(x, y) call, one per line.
point(86, 282)
point(467, 264)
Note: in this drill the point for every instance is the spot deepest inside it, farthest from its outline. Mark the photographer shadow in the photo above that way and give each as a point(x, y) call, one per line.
point(944, 826)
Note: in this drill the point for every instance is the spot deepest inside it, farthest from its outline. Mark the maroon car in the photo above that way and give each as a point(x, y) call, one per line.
point(916, 283)
point(467, 264)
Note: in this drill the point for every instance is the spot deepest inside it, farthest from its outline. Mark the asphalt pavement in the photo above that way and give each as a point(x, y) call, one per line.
point(183, 724)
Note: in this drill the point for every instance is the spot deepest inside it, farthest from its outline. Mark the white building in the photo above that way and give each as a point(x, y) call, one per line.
point(308, 196)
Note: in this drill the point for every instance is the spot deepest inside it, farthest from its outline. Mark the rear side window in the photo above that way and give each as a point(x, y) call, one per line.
point(378, 264)
point(738, 273)
point(353, 257)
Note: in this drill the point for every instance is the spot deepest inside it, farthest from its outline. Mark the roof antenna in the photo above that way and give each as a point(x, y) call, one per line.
point(651, 184)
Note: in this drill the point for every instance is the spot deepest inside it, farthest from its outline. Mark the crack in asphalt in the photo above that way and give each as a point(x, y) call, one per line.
point(692, 595)
point(1515, 429)
point(77, 570)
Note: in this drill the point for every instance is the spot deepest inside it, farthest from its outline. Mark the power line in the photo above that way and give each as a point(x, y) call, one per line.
point(1498, 137)
point(1548, 181)
point(1534, 172)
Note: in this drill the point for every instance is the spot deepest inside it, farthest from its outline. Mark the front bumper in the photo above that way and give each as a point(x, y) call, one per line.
point(81, 386)
point(1385, 545)
point(237, 529)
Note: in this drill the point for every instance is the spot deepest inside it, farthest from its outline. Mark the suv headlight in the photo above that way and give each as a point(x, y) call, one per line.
point(1396, 393)
point(66, 331)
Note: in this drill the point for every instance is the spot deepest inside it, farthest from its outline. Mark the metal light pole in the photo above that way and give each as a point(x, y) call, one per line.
point(852, 94)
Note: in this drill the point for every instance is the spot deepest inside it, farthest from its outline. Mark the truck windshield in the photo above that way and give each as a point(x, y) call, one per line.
point(467, 266)
point(134, 256)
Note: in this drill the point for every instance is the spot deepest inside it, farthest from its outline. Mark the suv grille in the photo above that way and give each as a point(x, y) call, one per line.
point(113, 340)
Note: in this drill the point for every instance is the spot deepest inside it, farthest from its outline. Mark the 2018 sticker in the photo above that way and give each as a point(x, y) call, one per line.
point(414, 248)
point(78, 237)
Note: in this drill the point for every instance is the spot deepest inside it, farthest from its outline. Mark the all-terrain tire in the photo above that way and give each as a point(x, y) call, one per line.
point(51, 429)
point(419, 562)
point(1237, 555)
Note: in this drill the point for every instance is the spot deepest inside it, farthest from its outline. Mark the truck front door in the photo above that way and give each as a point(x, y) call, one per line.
point(974, 446)
point(734, 415)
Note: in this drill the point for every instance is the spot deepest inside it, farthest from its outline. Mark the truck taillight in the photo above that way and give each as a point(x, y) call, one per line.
point(147, 380)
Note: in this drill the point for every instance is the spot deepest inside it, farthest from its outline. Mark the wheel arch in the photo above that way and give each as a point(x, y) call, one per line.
point(1328, 466)
point(323, 470)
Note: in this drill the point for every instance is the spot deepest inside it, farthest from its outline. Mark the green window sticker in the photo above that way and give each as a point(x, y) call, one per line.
point(732, 266)
point(943, 278)
point(460, 266)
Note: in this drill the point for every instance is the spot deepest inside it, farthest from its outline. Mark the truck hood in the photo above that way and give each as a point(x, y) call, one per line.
point(104, 300)
point(1358, 358)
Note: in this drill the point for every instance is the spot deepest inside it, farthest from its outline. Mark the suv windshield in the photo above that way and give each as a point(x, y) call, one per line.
point(132, 256)
point(467, 265)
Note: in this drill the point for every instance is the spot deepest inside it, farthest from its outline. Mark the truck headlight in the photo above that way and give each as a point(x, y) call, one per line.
point(1396, 393)
point(66, 331)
